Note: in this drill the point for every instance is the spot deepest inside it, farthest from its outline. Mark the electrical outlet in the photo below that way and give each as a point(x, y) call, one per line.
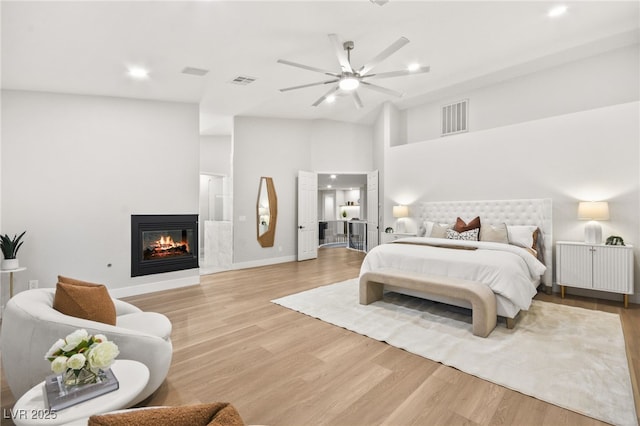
point(33, 284)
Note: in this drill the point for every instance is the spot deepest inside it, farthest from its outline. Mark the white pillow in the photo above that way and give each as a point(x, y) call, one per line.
point(428, 227)
point(522, 235)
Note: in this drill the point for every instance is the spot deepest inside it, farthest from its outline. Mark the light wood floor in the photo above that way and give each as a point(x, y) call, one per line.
point(279, 367)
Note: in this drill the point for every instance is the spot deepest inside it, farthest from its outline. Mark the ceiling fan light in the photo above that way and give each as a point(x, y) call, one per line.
point(330, 99)
point(349, 83)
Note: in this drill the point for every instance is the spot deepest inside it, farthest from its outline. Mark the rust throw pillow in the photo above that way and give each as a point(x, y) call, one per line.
point(461, 226)
point(84, 300)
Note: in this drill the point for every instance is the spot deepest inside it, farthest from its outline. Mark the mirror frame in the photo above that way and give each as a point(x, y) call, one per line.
point(267, 239)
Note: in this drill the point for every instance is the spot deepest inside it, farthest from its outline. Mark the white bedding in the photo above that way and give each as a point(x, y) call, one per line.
point(509, 271)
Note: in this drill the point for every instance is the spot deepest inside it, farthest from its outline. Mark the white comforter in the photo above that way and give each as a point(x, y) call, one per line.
point(508, 270)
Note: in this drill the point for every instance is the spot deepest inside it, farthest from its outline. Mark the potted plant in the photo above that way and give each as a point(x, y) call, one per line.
point(10, 247)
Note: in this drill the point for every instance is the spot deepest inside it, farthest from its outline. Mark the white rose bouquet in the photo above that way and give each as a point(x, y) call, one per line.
point(80, 354)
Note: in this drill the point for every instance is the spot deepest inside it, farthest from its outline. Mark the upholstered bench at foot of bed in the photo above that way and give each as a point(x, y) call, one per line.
point(481, 298)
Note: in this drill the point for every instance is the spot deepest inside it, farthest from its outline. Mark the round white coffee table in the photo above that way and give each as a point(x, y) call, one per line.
point(132, 376)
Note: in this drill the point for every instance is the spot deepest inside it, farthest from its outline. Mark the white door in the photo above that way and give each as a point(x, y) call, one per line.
point(373, 214)
point(307, 215)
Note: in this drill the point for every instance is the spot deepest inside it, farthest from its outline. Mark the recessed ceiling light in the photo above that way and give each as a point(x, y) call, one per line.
point(328, 186)
point(330, 99)
point(137, 72)
point(413, 67)
point(333, 176)
point(556, 11)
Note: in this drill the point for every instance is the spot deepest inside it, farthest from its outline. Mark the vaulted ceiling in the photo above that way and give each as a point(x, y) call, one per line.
point(85, 47)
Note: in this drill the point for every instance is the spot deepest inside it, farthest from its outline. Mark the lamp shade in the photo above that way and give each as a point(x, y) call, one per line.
point(593, 210)
point(400, 211)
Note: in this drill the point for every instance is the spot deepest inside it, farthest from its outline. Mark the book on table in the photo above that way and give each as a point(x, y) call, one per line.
point(57, 396)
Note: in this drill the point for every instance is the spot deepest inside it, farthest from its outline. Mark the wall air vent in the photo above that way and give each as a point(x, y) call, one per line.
point(455, 118)
point(194, 71)
point(243, 80)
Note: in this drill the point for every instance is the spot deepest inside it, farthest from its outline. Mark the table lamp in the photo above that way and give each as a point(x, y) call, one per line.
point(400, 212)
point(593, 211)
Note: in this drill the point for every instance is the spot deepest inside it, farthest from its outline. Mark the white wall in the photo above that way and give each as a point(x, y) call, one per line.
point(585, 155)
point(340, 147)
point(279, 148)
point(215, 155)
point(74, 169)
point(606, 79)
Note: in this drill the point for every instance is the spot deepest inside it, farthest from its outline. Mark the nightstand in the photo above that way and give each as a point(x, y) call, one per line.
point(595, 267)
point(389, 237)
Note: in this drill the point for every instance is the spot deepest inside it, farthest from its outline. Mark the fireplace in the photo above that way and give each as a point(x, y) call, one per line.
point(163, 243)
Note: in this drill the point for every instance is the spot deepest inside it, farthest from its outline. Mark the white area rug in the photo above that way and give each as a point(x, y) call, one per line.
point(571, 357)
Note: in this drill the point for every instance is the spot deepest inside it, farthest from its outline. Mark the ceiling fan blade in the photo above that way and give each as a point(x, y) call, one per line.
point(342, 57)
point(286, 89)
point(397, 73)
point(325, 96)
point(383, 55)
point(307, 67)
point(357, 99)
point(381, 89)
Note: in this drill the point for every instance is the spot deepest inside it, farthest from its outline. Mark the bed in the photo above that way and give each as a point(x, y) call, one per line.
point(512, 272)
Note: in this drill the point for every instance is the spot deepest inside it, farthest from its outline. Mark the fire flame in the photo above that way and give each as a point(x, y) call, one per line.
point(167, 243)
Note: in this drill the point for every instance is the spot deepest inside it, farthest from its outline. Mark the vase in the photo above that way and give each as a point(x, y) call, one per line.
point(9, 264)
point(83, 376)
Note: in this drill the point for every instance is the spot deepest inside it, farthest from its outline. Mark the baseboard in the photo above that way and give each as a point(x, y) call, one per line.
point(263, 262)
point(135, 290)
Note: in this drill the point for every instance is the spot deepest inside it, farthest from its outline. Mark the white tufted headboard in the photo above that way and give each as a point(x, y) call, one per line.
point(512, 212)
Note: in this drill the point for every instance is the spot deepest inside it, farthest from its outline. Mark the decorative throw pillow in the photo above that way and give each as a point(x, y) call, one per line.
point(494, 233)
point(470, 235)
point(439, 230)
point(461, 226)
point(84, 300)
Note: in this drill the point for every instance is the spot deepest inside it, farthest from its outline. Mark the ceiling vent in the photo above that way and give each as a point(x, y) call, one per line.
point(455, 118)
point(243, 80)
point(194, 71)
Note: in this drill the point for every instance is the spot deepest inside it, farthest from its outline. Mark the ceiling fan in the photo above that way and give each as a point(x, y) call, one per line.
point(349, 78)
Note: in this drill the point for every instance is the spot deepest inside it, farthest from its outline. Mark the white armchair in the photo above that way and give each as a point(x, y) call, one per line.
point(30, 326)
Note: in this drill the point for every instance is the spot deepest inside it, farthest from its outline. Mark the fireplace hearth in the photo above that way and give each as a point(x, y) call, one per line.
point(163, 243)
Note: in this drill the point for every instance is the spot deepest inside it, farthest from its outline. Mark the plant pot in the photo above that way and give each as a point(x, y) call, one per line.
point(8, 264)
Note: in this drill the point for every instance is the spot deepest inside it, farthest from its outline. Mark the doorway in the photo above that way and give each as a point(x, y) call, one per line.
point(342, 210)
